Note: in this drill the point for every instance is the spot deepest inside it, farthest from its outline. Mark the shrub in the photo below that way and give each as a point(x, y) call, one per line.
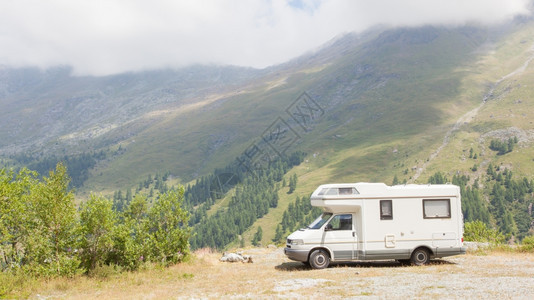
point(97, 220)
point(477, 231)
point(168, 228)
point(105, 271)
point(527, 245)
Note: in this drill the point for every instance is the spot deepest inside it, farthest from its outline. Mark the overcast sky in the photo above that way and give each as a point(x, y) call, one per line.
point(100, 37)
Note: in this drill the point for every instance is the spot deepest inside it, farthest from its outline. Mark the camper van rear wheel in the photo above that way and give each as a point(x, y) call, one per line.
point(319, 259)
point(420, 257)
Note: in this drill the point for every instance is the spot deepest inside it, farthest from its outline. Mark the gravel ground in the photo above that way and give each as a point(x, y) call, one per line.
point(493, 276)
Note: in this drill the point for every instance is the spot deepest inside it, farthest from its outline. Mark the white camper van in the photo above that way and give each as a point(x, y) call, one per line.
point(373, 221)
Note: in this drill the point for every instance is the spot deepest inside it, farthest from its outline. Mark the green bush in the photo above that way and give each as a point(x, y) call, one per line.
point(42, 233)
point(131, 236)
point(168, 228)
point(14, 282)
point(97, 222)
point(477, 231)
point(527, 245)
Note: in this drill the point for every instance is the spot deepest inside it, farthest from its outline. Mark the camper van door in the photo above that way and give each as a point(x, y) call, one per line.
point(340, 237)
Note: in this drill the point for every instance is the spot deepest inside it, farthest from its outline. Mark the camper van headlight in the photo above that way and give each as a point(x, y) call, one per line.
point(297, 242)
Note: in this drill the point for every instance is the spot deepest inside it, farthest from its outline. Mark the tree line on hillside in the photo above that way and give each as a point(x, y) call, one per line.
point(44, 233)
point(78, 165)
point(297, 215)
point(155, 185)
point(255, 192)
point(501, 201)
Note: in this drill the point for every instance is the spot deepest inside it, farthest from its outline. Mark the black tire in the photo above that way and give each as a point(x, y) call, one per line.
point(420, 257)
point(319, 259)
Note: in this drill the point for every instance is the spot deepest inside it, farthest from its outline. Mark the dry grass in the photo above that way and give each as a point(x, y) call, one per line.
point(272, 275)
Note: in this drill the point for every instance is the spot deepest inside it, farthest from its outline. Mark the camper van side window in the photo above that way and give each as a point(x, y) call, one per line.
point(386, 210)
point(440, 209)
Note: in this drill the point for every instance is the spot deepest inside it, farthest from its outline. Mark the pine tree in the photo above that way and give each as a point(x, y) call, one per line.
point(292, 183)
point(256, 241)
point(395, 180)
point(128, 195)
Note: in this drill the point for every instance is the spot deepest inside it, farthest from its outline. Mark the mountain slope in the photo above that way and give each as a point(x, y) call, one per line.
point(43, 108)
point(387, 99)
point(387, 87)
point(494, 102)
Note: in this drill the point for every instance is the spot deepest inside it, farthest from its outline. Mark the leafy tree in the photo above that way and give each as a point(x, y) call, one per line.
point(168, 228)
point(131, 238)
point(98, 222)
point(40, 228)
point(53, 231)
point(14, 217)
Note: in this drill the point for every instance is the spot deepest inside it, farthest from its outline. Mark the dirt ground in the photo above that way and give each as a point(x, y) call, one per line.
point(272, 275)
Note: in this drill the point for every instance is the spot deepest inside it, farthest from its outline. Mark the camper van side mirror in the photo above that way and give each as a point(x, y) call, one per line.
point(328, 227)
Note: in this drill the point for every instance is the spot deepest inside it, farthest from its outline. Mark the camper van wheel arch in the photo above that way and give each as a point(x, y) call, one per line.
point(319, 259)
point(420, 256)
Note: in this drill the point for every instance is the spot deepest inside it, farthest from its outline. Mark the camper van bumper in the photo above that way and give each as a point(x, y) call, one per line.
point(297, 255)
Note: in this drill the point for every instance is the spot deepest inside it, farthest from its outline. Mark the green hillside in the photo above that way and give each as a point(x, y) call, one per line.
point(383, 91)
point(415, 142)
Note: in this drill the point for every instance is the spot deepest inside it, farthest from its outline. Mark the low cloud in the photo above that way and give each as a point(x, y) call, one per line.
point(101, 37)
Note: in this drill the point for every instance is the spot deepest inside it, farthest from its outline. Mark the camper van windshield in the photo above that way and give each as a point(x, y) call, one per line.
point(320, 221)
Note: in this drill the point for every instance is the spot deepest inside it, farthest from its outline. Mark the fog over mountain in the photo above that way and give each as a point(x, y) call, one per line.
point(108, 37)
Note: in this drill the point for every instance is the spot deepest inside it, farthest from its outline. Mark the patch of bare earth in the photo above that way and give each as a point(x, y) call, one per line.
point(272, 275)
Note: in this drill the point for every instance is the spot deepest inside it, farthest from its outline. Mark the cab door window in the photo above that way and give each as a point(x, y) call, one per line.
point(340, 222)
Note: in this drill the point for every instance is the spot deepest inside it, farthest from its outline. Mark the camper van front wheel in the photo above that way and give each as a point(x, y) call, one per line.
point(420, 257)
point(319, 259)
